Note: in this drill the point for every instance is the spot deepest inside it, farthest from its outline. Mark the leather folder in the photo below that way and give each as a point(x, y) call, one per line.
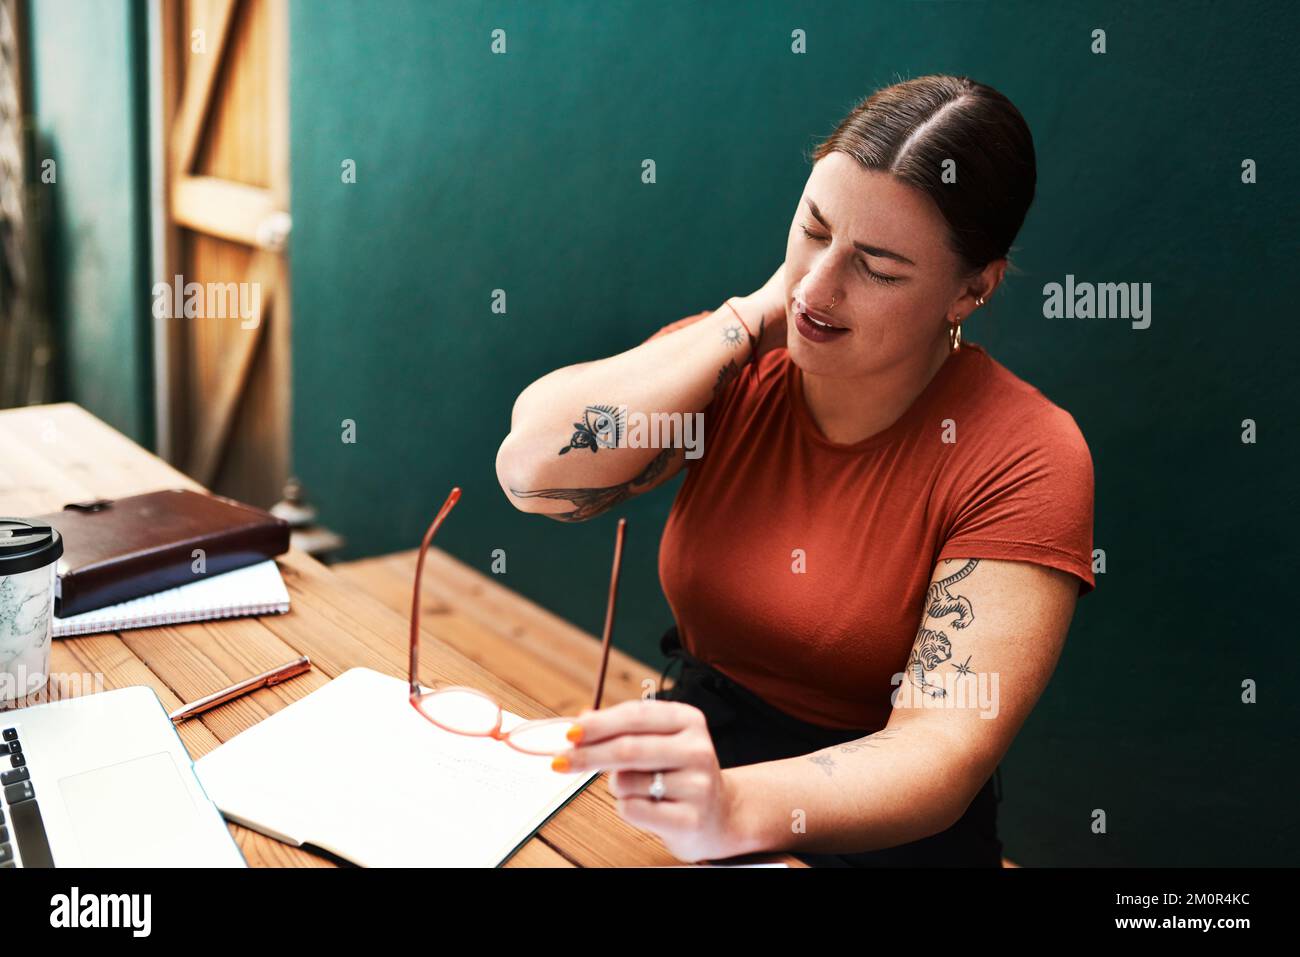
point(116, 550)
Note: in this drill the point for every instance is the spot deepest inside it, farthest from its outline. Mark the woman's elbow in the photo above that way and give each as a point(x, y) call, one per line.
point(517, 474)
point(511, 472)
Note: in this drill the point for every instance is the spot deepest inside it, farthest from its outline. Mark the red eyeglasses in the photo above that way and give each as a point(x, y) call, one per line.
point(470, 712)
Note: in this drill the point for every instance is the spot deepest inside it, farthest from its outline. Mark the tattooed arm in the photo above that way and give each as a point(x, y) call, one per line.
point(572, 452)
point(589, 502)
point(990, 635)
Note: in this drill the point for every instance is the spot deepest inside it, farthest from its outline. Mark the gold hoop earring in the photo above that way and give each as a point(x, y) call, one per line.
point(954, 335)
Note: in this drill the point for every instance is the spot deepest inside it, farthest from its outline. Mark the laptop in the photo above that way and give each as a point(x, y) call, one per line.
point(104, 780)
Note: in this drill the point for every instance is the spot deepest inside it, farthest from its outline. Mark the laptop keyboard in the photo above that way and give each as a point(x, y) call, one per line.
point(20, 815)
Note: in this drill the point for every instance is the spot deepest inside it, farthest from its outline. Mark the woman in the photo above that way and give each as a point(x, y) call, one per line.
point(874, 563)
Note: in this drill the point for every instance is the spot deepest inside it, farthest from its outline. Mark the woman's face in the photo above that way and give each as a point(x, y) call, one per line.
point(878, 249)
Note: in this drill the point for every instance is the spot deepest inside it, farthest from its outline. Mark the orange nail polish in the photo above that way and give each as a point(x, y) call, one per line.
point(574, 733)
point(559, 763)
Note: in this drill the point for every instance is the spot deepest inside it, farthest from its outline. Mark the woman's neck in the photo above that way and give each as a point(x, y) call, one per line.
point(852, 410)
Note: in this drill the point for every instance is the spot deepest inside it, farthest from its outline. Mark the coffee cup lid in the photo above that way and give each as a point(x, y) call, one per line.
point(26, 545)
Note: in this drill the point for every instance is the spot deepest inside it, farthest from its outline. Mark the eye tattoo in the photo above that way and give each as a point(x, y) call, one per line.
point(602, 426)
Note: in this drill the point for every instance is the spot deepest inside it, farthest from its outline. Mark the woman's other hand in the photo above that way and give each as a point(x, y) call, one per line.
point(768, 305)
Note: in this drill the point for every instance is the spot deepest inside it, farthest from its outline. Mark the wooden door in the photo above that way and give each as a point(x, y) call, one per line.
point(225, 109)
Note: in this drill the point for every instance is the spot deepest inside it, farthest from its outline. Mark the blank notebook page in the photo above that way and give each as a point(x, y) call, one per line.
point(354, 769)
point(253, 590)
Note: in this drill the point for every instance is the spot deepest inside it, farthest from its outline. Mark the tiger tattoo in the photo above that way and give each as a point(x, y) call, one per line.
point(933, 647)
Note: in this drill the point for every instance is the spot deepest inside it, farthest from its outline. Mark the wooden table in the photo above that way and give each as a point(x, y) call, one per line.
point(56, 454)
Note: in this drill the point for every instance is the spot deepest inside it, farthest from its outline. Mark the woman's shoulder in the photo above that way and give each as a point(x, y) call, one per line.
point(1021, 418)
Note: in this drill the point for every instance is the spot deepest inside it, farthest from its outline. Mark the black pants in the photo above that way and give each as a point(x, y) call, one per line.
point(748, 730)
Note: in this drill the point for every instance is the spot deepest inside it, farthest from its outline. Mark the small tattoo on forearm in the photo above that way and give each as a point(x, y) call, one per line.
point(731, 371)
point(824, 760)
point(870, 741)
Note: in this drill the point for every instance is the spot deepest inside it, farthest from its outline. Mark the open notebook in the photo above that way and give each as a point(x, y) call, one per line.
point(252, 590)
point(353, 769)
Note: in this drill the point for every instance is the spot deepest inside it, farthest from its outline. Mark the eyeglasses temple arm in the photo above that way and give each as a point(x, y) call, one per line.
point(419, 574)
point(606, 641)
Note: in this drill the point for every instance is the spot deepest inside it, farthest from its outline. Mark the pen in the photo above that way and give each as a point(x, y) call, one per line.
point(264, 680)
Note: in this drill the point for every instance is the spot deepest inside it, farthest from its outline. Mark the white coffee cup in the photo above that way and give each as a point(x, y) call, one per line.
point(29, 558)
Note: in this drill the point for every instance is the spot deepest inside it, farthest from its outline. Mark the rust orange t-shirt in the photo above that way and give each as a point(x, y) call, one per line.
point(870, 521)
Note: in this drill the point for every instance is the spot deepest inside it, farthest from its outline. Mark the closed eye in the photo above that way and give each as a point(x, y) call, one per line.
point(874, 276)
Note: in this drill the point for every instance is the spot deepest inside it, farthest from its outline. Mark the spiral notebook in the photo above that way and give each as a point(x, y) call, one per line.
point(252, 590)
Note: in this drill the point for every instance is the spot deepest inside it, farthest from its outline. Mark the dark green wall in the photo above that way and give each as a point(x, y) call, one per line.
point(522, 172)
point(87, 72)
